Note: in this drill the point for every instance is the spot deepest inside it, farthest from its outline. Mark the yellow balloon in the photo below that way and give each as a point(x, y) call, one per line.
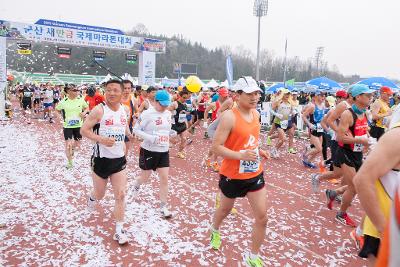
point(193, 84)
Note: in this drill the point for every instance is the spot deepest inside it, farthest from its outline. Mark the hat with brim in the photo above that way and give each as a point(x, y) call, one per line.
point(359, 89)
point(163, 98)
point(247, 85)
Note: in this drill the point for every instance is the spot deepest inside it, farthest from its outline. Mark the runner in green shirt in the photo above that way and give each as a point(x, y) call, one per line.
point(73, 109)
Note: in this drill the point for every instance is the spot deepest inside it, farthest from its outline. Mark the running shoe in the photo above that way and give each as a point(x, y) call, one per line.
point(165, 213)
point(358, 240)
point(122, 238)
point(181, 155)
point(215, 167)
point(206, 135)
point(206, 162)
point(269, 141)
point(274, 153)
point(189, 141)
point(308, 164)
point(344, 219)
point(253, 262)
point(338, 199)
point(292, 150)
point(69, 165)
point(330, 197)
point(51, 120)
point(91, 205)
point(215, 239)
point(322, 167)
point(315, 182)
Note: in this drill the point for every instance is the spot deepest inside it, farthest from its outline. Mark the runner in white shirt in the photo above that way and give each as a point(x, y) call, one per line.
point(107, 125)
point(48, 103)
point(154, 127)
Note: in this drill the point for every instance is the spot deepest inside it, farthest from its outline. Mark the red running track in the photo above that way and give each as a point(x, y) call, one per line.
point(44, 208)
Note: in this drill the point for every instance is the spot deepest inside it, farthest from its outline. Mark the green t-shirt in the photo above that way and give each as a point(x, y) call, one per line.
point(71, 111)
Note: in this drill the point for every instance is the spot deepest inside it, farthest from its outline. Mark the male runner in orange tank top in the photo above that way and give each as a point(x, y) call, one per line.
point(241, 175)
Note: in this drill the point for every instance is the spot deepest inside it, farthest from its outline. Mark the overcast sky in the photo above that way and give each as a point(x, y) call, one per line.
point(359, 36)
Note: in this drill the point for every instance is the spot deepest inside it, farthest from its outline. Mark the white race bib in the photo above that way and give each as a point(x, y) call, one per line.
point(73, 121)
point(163, 138)
point(359, 147)
point(284, 124)
point(118, 133)
point(182, 117)
point(249, 166)
point(319, 128)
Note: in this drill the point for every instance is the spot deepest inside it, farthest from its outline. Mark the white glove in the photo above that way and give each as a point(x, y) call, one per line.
point(205, 125)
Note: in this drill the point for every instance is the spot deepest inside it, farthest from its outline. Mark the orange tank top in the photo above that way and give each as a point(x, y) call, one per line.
point(129, 104)
point(243, 136)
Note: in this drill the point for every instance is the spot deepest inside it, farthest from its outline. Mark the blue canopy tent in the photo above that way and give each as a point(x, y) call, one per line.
point(377, 82)
point(279, 86)
point(323, 84)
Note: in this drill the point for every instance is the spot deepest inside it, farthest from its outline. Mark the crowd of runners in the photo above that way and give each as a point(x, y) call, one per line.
point(354, 142)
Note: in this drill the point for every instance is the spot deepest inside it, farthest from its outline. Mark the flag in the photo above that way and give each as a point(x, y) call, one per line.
point(229, 70)
point(290, 82)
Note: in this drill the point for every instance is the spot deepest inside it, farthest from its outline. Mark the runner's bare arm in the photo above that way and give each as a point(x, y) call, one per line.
point(225, 106)
point(92, 119)
point(307, 111)
point(324, 123)
point(384, 157)
point(375, 107)
point(336, 113)
point(210, 107)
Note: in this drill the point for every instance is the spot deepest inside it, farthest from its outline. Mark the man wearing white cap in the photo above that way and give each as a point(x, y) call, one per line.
point(241, 174)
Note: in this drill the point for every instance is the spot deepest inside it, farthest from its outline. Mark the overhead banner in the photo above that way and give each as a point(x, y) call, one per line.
point(79, 35)
point(229, 70)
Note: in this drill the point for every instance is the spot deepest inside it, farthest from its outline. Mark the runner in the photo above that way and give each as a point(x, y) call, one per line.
point(154, 127)
point(36, 99)
point(335, 171)
point(353, 140)
point(381, 112)
point(107, 125)
point(376, 187)
point(129, 101)
point(73, 109)
point(148, 101)
point(26, 102)
point(241, 173)
point(283, 122)
point(93, 97)
point(179, 112)
point(48, 102)
point(312, 117)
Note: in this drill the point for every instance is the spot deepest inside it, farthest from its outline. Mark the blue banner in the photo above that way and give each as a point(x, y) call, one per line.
point(81, 27)
point(229, 70)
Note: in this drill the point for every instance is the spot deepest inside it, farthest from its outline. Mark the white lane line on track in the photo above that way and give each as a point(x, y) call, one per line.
point(283, 238)
point(294, 193)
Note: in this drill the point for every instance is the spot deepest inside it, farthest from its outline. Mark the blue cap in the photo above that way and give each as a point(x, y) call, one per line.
point(163, 98)
point(215, 98)
point(359, 89)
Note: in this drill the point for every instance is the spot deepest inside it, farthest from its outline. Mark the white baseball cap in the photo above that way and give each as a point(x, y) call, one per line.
point(246, 84)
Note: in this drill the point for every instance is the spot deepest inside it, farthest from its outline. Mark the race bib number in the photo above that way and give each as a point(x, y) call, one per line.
point(246, 166)
point(182, 117)
point(163, 138)
point(319, 128)
point(359, 147)
point(284, 124)
point(117, 133)
point(73, 121)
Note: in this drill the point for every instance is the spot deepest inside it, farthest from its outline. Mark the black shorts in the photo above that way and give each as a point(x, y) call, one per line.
point(278, 126)
point(350, 158)
point(200, 114)
point(334, 147)
point(149, 160)
point(194, 115)
point(36, 101)
point(72, 133)
point(294, 119)
point(376, 132)
point(105, 167)
point(26, 104)
point(233, 188)
point(179, 127)
point(55, 101)
point(316, 134)
point(371, 246)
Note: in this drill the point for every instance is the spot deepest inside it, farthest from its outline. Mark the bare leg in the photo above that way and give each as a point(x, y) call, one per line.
point(258, 204)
